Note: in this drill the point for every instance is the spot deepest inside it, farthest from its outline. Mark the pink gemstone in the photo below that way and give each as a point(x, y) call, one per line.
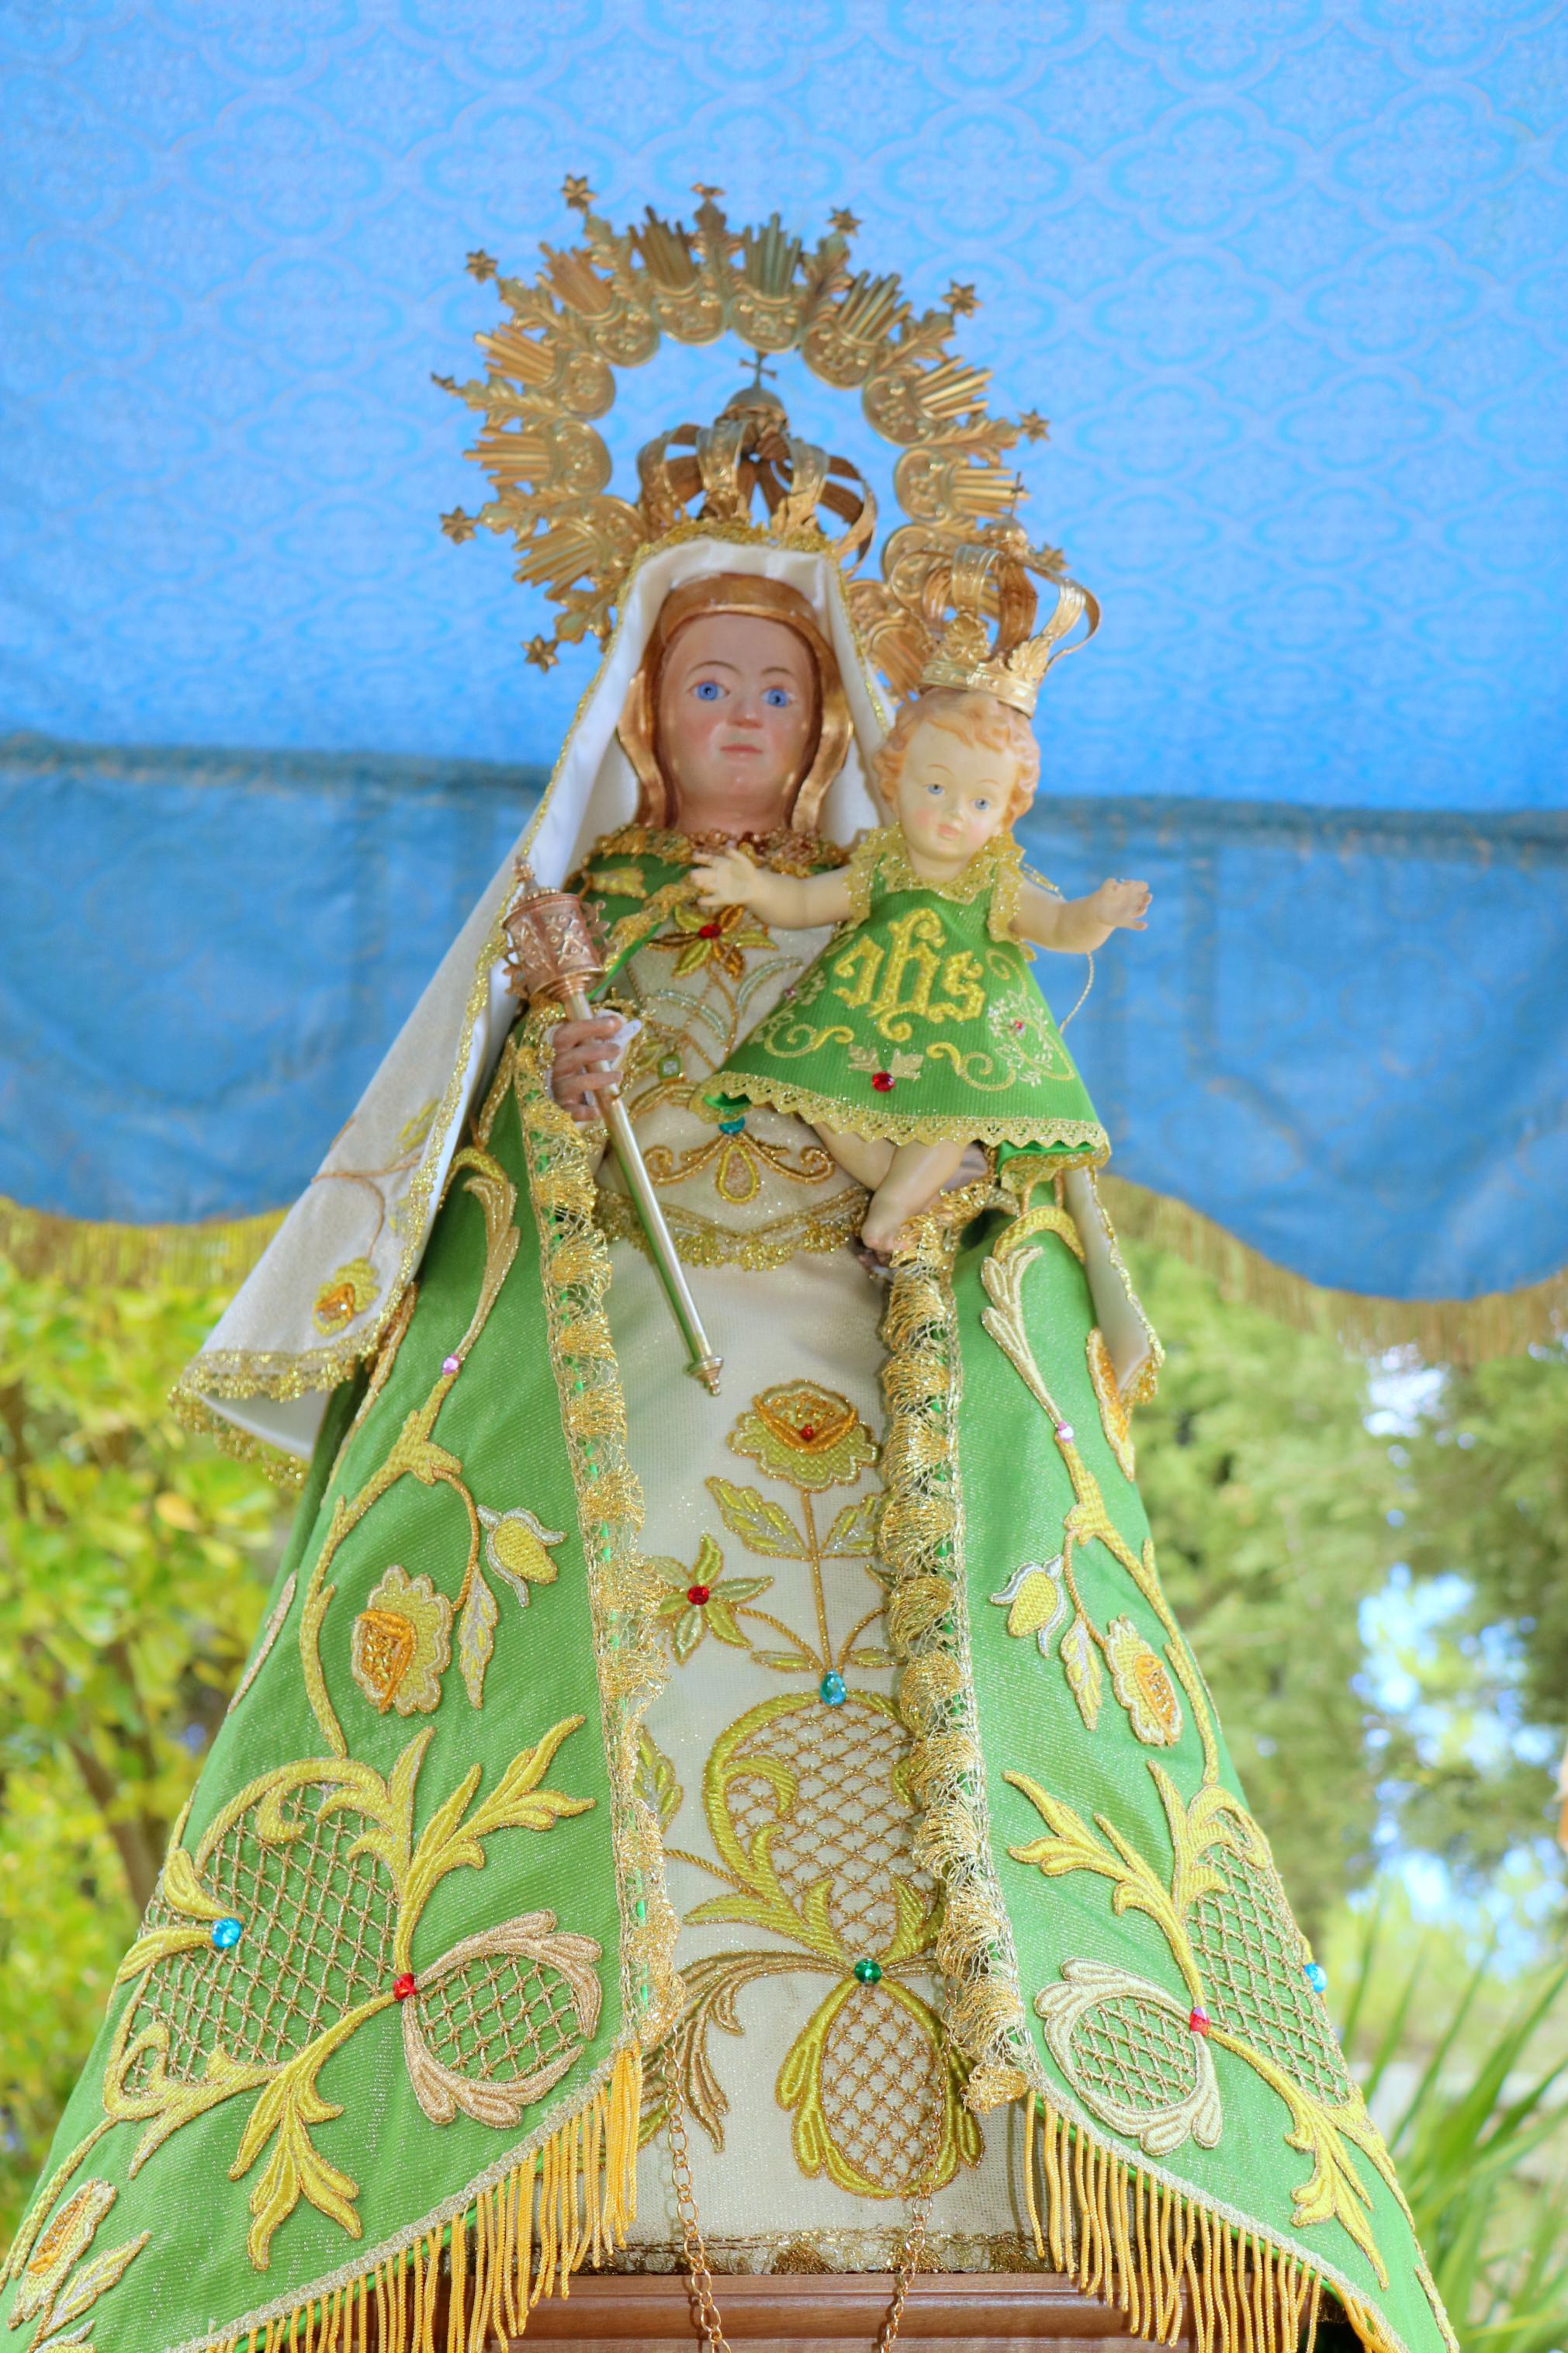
point(451, 1363)
point(1065, 1432)
point(1198, 2020)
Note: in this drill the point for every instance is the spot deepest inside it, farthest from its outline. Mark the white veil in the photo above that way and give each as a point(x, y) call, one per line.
point(323, 1291)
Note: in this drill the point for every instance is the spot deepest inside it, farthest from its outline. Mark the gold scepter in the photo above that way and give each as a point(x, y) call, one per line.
point(557, 954)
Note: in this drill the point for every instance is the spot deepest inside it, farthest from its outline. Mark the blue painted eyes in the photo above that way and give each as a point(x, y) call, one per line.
point(708, 689)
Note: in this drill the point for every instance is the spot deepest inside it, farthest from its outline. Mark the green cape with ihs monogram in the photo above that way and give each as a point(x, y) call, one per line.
point(923, 1019)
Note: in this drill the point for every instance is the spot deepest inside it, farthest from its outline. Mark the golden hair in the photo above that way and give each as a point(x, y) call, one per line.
point(767, 600)
point(973, 718)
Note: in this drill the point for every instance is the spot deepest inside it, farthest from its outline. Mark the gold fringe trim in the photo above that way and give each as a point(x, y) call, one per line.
point(78, 1250)
point(1172, 2264)
point(1443, 1331)
point(569, 2201)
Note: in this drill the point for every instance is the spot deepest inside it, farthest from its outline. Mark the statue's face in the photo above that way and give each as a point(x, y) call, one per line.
point(952, 796)
point(737, 722)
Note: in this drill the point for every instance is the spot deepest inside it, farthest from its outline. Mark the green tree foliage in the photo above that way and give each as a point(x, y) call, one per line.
point(133, 1569)
point(1484, 1478)
point(1269, 1500)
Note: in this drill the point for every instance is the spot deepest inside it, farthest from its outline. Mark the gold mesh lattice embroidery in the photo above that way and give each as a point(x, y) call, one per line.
point(847, 1821)
point(1132, 2051)
point(318, 1925)
point(1251, 1957)
point(501, 2018)
point(881, 2089)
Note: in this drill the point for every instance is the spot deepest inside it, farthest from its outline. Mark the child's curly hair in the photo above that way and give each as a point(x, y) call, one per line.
point(973, 718)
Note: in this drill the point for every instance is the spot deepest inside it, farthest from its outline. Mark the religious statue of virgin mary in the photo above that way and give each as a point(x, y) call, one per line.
point(783, 1828)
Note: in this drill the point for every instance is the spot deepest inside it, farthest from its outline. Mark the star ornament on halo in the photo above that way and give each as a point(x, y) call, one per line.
point(576, 191)
point(962, 301)
point(459, 526)
point(542, 653)
point(846, 223)
point(1033, 425)
point(481, 264)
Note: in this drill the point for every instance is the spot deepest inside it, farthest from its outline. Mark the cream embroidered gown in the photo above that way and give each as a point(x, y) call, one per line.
point(817, 2090)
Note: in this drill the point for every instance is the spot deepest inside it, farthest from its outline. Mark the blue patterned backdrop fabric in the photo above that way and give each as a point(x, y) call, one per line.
point(1288, 278)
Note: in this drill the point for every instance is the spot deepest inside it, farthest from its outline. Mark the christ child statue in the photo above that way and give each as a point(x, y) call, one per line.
point(919, 1030)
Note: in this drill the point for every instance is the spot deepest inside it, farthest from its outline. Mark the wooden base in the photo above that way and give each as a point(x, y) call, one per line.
point(836, 2312)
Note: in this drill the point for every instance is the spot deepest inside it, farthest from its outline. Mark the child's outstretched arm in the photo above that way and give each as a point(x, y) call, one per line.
point(1078, 926)
point(790, 903)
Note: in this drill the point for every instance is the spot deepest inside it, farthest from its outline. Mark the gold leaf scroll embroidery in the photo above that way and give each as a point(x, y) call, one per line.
point(901, 981)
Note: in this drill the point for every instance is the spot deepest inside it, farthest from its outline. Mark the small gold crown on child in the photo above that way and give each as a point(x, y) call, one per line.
point(961, 612)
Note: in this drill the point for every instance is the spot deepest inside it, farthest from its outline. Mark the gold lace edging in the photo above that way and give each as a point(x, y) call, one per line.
point(82, 1250)
point(1129, 2234)
point(194, 1413)
point(575, 1268)
point(883, 857)
point(1076, 1142)
point(1442, 1331)
point(703, 1242)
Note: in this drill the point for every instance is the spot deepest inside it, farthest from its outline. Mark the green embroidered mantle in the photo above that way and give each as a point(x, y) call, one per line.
point(386, 2016)
point(924, 1018)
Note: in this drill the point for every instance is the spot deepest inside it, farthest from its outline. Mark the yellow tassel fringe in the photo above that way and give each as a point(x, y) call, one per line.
point(1170, 2264)
point(1442, 1331)
point(78, 1250)
point(569, 2201)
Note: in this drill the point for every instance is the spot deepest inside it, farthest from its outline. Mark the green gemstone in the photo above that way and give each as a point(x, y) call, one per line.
point(669, 1068)
point(868, 1971)
point(640, 1907)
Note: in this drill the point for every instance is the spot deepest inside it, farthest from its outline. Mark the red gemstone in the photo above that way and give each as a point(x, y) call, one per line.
point(403, 1986)
point(1198, 2020)
point(882, 1081)
point(1017, 1025)
point(697, 1595)
point(807, 1431)
point(709, 932)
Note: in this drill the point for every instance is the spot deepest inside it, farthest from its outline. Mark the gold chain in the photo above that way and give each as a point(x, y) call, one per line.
point(701, 2278)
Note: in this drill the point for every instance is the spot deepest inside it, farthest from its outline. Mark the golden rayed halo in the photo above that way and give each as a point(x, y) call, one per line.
point(607, 303)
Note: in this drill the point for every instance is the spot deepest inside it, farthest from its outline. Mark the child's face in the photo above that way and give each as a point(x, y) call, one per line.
point(952, 796)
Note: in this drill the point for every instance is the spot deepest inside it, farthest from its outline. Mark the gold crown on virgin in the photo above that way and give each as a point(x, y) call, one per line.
point(961, 586)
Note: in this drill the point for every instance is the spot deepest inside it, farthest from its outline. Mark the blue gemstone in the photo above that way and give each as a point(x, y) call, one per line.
point(731, 1126)
point(227, 1933)
point(833, 1690)
point(1317, 1977)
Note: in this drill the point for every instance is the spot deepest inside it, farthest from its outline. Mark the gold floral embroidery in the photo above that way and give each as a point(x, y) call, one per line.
point(880, 863)
point(1115, 1417)
point(718, 938)
point(402, 1644)
point(517, 1548)
point(54, 2291)
point(810, 1437)
point(702, 1600)
point(1142, 1685)
point(615, 882)
point(345, 1294)
point(256, 2021)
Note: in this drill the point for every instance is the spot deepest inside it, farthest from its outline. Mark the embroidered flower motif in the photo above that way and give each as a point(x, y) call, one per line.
point(811, 1438)
point(1035, 1601)
point(515, 1548)
point(885, 1069)
point(402, 1644)
point(345, 1294)
point(1142, 1685)
point(718, 939)
point(689, 1617)
point(1115, 1417)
